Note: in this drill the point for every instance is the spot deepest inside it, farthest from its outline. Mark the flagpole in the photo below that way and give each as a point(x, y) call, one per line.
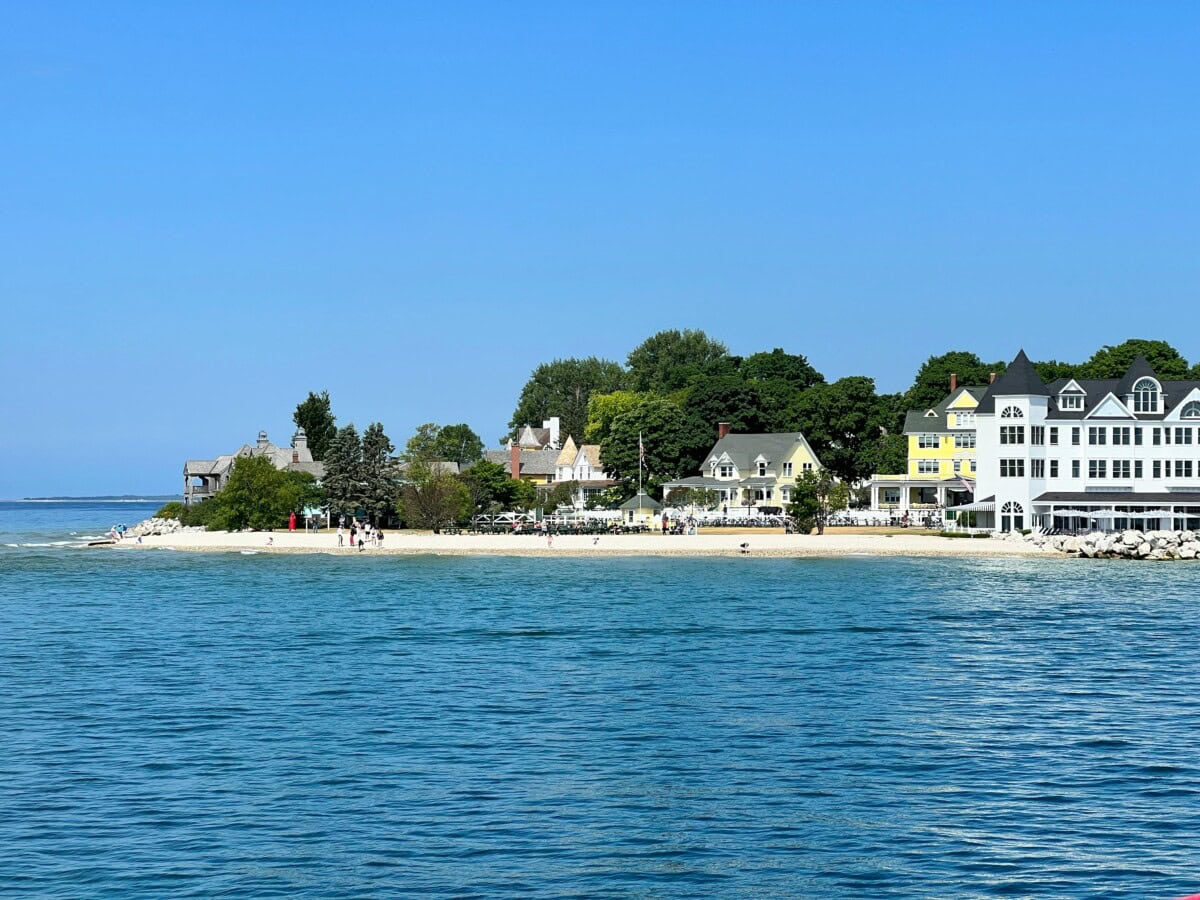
point(641, 458)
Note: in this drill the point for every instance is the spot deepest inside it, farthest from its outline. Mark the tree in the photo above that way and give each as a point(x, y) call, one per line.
point(562, 388)
point(693, 497)
point(777, 365)
point(842, 422)
point(664, 432)
point(1194, 372)
point(932, 383)
point(561, 493)
point(492, 489)
point(722, 398)
point(667, 361)
point(315, 416)
point(603, 409)
point(433, 497)
point(458, 444)
point(380, 475)
point(1114, 361)
point(816, 495)
point(423, 445)
point(260, 496)
point(1052, 370)
point(343, 480)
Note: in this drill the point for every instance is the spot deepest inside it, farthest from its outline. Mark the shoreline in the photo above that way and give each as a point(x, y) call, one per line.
point(401, 543)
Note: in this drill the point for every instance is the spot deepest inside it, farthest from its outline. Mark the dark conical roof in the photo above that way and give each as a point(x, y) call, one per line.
point(1138, 369)
point(1019, 379)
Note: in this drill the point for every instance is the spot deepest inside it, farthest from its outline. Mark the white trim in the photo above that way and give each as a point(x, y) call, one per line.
point(1123, 410)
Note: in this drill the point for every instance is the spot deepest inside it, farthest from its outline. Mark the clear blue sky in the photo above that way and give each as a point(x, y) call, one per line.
point(210, 209)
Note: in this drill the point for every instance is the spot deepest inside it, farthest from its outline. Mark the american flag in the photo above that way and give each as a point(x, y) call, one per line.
point(641, 450)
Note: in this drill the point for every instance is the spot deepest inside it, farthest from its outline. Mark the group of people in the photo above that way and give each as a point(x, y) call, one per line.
point(361, 535)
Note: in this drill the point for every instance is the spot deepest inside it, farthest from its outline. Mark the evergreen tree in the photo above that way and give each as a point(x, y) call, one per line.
point(343, 481)
point(380, 477)
point(315, 416)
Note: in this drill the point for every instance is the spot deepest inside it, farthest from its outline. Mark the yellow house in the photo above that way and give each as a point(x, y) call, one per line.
point(752, 473)
point(941, 456)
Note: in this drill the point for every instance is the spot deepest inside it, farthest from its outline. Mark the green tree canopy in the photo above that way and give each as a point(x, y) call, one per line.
point(432, 497)
point(604, 408)
point(343, 480)
point(667, 361)
point(492, 489)
point(712, 399)
point(1114, 361)
point(843, 422)
point(666, 436)
point(423, 445)
point(1051, 370)
point(315, 416)
point(380, 475)
point(458, 444)
point(778, 365)
point(562, 388)
point(933, 378)
point(815, 497)
point(260, 496)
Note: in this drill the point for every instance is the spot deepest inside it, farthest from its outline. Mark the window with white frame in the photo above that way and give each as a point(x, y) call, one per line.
point(1183, 435)
point(1053, 436)
point(1012, 412)
point(1097, 434)
point(965, 441)
point(1121, 468)
point(1074, 468)
point(1037, 468)
point(1075, 436)
point(1054, 468)
point(787, 469)
point(724, 470)
point(1145, 396)
point(1037, 434)
point(1097, 468)
point(762, 469)
point(1183, 468)
point(1191, 410)
point(928, 441)
point(1121, 435)
point(1156, 469)
point(1137, 468)
point(1070, 401)
point(958, 467)
point(928, 467)
point(967, 420)
point(806, 467)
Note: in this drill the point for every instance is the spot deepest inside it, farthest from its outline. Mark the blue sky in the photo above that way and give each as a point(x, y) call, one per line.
point(210, 209)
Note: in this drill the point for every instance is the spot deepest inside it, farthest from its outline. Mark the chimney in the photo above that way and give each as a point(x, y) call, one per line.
point(722, 429)
point(515, 456)
point(953, 382)
point(992, 378)
point(295, 456)
point(554, 426)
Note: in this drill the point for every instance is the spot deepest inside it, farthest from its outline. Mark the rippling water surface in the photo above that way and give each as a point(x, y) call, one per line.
point(175, 724)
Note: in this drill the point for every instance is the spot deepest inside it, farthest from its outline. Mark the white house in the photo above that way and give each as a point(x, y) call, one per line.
point(582, 465)
point(1077, 454)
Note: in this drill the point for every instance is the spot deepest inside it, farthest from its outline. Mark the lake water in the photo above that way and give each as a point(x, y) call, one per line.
point(177, 724)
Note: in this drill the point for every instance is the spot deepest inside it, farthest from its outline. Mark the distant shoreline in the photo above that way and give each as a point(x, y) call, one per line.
point(124, 498)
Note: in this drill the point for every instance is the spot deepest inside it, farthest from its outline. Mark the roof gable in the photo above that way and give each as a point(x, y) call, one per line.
point(1137, 370)
point(1109, 408)
point(1020, 379)
point(964, 399)
point(1175, 415)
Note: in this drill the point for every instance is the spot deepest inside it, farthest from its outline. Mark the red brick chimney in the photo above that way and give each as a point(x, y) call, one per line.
point(953, 382)
point(992, 378)
point(722, 429)
point(295, 456)
point(515, 456)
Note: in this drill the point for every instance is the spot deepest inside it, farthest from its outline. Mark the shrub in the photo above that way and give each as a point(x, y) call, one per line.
point(172, 510)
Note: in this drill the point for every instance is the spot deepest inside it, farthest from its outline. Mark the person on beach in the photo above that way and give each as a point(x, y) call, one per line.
point(353, 532)
point(379, 538)
point(549, 539)
point(341, 534)
point(292, 521)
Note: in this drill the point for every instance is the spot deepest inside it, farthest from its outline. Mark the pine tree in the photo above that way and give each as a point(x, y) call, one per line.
point(380, 478)
point(343, 480)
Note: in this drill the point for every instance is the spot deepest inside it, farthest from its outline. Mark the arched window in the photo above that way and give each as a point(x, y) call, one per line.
point(1012, 412)
point(1145, 396)
point(1012, 516)
point(1191, 410)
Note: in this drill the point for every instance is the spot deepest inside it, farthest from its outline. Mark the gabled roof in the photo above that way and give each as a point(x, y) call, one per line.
point(743, 449)
point(566, 456)
point(1020, 379)
point(919, 422)
point(533, 462)
point(640, 501)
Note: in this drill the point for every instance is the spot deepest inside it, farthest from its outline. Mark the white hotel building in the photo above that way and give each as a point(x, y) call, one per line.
point(1080, 454)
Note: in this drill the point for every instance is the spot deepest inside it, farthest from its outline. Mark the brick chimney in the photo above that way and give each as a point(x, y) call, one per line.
point(992, 378)
point(953, 382)
point(722, 429)
point(514, 450)
point(295, 456)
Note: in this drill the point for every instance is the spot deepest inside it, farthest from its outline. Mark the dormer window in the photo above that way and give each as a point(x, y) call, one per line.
point(1145, 396)
point(762, 470)
point(725, 471)
point(1070, 401)
point(930, 414)
point(1191, 410)
point(1012, 412)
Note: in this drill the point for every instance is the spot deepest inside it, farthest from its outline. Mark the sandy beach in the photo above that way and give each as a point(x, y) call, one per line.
point(408, 543)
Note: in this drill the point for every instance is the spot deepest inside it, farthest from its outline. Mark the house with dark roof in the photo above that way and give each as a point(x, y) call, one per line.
point(751, 473)
point(204, 477)
point(941, 456)
point(1087, 453)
